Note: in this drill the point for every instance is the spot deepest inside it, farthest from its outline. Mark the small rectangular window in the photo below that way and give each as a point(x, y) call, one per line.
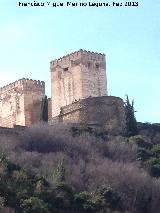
point(97, 66)
point(65, 69)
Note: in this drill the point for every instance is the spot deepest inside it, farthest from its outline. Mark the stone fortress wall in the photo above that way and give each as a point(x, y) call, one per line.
point(79, 95)
point(78, 75)
point(20, 102)
point(79, 92)
point(105, 111)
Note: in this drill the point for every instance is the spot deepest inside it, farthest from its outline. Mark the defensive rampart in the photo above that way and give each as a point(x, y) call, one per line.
point(106, 111)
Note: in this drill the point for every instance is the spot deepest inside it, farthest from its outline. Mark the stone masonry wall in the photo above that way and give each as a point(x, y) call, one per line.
point(105, 111)
point(12, 105)
point(20, 102)
point(77, 76)
point(49, 109)
point(34, 91)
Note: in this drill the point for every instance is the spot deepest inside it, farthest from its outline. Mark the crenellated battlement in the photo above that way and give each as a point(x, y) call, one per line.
point(23, 82)
point(31, 81)
point(10, 86)
point(77, 55)
point(33, 85)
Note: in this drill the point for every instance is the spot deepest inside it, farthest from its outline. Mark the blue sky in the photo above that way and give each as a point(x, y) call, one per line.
point(129, 36)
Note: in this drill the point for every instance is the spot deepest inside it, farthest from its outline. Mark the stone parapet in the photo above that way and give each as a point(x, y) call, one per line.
point(106, 111)
point(23, 82)
point(77, 55)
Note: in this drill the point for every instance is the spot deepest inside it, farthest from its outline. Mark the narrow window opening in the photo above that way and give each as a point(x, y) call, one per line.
point(97, 66)
point(65, 69)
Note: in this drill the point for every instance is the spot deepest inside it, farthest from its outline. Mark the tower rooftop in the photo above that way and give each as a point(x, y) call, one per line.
point(21, 82)
point(76, 54)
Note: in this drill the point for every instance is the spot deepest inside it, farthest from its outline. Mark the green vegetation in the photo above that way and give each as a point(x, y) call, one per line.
point(148, 154)
point(44, 109)
point(66, 169)
point(25, 192)
point(131, 123)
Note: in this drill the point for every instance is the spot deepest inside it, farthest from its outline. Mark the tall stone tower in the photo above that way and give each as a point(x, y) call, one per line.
point(77, 76)
point(20, 102)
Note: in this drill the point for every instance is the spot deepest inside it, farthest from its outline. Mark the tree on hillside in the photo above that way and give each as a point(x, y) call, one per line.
point(44, 109)
point(131, 123)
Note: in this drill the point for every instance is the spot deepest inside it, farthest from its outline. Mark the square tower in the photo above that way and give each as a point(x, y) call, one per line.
point(20, 102)
point(79, 75)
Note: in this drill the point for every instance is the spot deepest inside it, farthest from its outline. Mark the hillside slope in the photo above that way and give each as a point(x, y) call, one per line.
point(62, 169)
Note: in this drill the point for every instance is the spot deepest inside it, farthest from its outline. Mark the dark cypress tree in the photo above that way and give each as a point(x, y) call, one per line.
point(44, 109)
point(131, 123)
